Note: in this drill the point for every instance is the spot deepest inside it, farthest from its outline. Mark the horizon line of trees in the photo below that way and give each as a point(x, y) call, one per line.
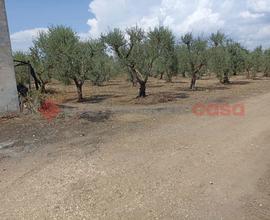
point(59, 54)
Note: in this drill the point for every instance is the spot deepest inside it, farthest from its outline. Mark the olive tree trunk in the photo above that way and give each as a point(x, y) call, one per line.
point(193, 82)
point(142, 90)
point(142, 81)
point(79, 85)
point(226, 79)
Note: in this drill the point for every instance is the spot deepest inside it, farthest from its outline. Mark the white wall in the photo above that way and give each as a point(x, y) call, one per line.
point(8, 90)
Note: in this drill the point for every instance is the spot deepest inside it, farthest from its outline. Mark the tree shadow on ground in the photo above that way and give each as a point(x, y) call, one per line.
point(66, 107)
point(98, 99)
point(240, 83)
point(93, 99)
point(109, 84)
point(161, 97)
point(181, 96)
point(100, 116)
point(156, 86)
point(207, 88)
point(172, 95)
point(178, 82)
point(51, 91)
point(221, 100)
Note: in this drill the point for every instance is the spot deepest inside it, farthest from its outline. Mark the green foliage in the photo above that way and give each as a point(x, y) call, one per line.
point(248, 63)
point(131, 52)
point(166, 62)
point(83, 60)
point(220, 59)
point(254, 62)
point(40, 61)
point(237, 57)
point(183, 59)
point(142, 49)
point(220, 62)
point(266, 62)
point(142, 52)
point(61, 49)
point(102, 66)
point(58, 53)
point(125, 50)
point(217, 39)
point(194, 55)
point(257, 57)
point(22, 71)
point(70, 59)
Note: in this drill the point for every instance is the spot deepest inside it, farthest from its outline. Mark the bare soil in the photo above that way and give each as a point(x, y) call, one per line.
point(117, 157)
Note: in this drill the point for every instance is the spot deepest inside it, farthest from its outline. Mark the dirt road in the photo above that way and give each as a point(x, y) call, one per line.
point(169, 167)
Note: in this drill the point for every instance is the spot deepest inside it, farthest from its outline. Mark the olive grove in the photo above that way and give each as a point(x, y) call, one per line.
point(60, 54)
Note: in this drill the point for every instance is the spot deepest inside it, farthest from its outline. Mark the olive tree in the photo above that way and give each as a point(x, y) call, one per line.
point(182, 59)
point(266, 63)
point(217, 39)
point(40, 61)
point(237, 56)
point(22, 71)
point(194, 57)
point(137, 51)
point(254, 62)
point(71, 59)
point(248, 63)
point(220, 62)
point(166, 63)
point(257, 56)
point(62, 51)
point(104, 66)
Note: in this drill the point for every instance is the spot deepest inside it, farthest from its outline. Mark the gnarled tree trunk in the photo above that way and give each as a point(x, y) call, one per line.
point(169, 77)
point(79, 85)
point(266, 72)
point(161, 75)
point(141, 80)
point(248, 74)
point(194, 75)
point(142, 91)
point(183, 74)
point(43, 84)
point(226, 79)
point(193, 82)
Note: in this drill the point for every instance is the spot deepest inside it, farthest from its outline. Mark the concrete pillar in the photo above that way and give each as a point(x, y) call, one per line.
point(8, 88)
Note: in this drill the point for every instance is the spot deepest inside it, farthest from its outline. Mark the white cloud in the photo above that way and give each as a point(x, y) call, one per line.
point(182, 15)
point(22, 40)
point(243, 20)
point(248, 14)
point(259, 6)
point(246, 21)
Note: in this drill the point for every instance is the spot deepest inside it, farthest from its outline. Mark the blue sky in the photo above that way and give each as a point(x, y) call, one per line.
point(246, 21)
point(30, 14)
